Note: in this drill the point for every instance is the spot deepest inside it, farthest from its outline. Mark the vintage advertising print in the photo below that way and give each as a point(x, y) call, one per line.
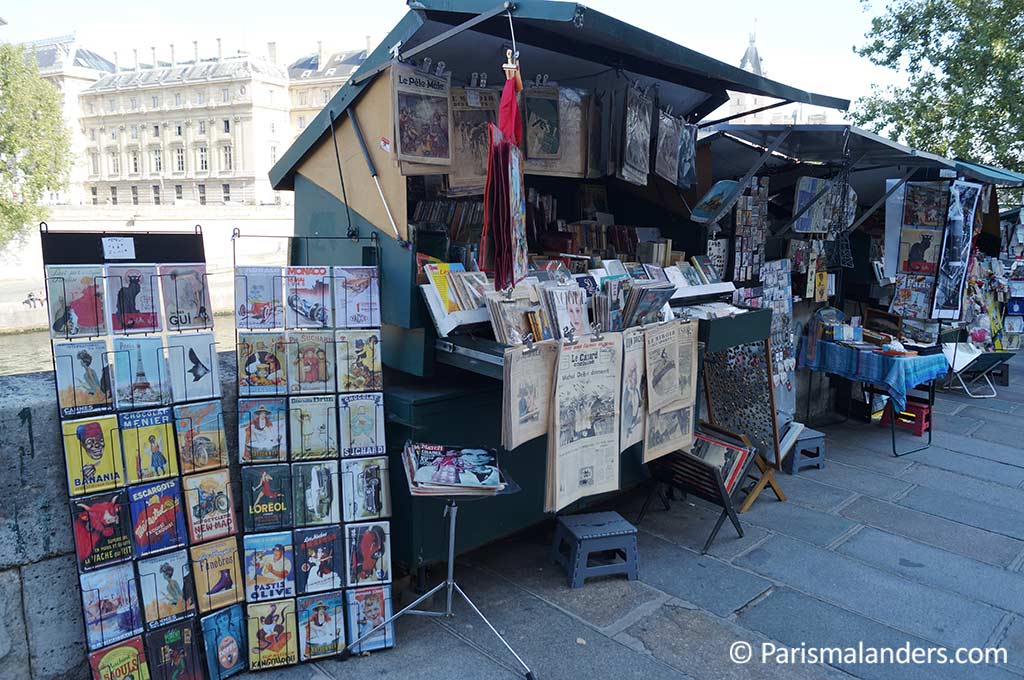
point(271, 627)
point(209, 505)
point(140, 373)
point(913, 296)
point(315, 493)
point(919, 251)
point(92, 454)
point(168, 593)
point(321, 625)
point(956, 250)
point(217, 574)
point(262, 364)
point(368, 553)
point(925, 204)
point(158, 521)
point(308, 298)
point(259, 297)
point(356, 297)
point(365, 489)
point(186, 294)
point(313, 427)
point(310, 362)
point(261, 430)
point(224, 640)
point(173, 652)
point(362, 423)
point(83, 377)
point(472, 110)
point(102, 526)
point(75, 295)
point(201, 442)
point(148, 441)
point(663, 371)
point(369, 608)
point(269, 566)
point(358, 361)
point(422, 115)
point(111, 605)
point(668, 430)
point(634, 388)
point(133, 295)
point(125, 660)
point(320, 559)
point(193, 366)
point(585, 420)
point(266, 497)
point(527, 393)
point(542, 128)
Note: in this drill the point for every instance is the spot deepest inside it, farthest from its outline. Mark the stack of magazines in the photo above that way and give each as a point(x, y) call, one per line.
point(437, 470)
point(644, 300)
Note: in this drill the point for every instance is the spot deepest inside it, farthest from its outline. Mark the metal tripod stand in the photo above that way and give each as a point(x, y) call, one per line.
point(450, 587)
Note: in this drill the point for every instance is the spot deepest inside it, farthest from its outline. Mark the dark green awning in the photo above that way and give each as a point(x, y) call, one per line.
point(989, 174)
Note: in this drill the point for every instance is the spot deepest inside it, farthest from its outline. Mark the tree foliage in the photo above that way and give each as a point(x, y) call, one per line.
point(964, 62)
point(35, 144)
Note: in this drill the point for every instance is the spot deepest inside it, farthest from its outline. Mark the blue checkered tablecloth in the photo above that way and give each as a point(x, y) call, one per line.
point(896, 374)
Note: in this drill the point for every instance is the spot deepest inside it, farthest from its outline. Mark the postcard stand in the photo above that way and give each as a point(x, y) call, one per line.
point(450, 588)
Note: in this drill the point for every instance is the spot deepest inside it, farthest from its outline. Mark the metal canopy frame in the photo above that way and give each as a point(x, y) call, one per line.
point(768, 152)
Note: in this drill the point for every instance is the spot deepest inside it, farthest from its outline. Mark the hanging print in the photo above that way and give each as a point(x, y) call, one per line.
point(422, 115)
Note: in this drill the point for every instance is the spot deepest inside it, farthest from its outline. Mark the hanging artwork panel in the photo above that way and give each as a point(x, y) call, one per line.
point(666, 160)
point(543, 126)
point(955, 258)
point(423, 119)
point(636, 147)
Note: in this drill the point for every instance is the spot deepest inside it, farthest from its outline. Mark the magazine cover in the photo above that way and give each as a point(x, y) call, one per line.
point(217, 574)
point(368, 608)
point(262, 364)
point(423, 120)
point(269, 566)
point(271, 627)
point(319, 559)
point(310, 361)
point(192, 361)
point(83, 377)
point(92, 455)
point(110, 605)
point(366, 489)
point(186, 296)
point(362, 424)
point(313, 430)
point(173, 653)
point(148, 440)
point(75, 296)
point(224, 640)
point(359, 368)
point(123, 661)
point(308, 297)
point(133, 292)
point(259, 301)
point(321, 625)
point(266, 497)
point(158, 522)
point(168, 592)
point(456, 466)
point(209, 506)
point(102, 526)
point(315, 492)
point(261, 430)
point(140, 373)
point(368, 553)
point(356, 297)
point(201, 441)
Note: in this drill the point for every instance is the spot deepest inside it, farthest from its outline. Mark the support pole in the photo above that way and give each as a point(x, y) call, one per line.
point(727, 205)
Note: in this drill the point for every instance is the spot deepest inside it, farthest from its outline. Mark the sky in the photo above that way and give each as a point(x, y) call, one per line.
point(804, 43)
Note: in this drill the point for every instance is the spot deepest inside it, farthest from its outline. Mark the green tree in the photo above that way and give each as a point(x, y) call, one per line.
point(35, 145)
point(964, 62)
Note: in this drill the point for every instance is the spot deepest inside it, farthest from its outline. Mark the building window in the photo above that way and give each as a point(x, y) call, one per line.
point(94, 159)
point(202, 193)
point(324, 96)
point(92, 109)
point(92, 134)
point(156, 130)
point(226, 154)
point(177, 129)
point(115, 164)
point(227, 125)
point(178, 193)
point(158, 160)
point(156, 101)
point(156, 194)
point(273, 127)
point(202, 127)
point(225, 95)
point(135, 162)
point(95, 195)
point(179, 159)
point(302, 122)
point(204, 161)
point(113, 134)
point(177, 99)
point(113, 195)
point(135, 195)
point(226, 188)
point(200, 98)
point(273, 155)
point(135, 132)
point(302, 98)
point(133, 102)
point(111, 105)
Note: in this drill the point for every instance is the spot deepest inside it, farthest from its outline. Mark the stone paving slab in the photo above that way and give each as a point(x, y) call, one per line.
point(1013, 641)
point(922, 610)
point(790, 519)
point(967, 487)
point(918, 562)
point(991, 417)
point(863, 482)
point(797, 619)
point(972, 513)
point(1003, 401)
point(958, 424)
point(1000, 453)
point(935, 531)
point(971, 466)
point(802, 490)
point(1009, 436)
point(885, 463)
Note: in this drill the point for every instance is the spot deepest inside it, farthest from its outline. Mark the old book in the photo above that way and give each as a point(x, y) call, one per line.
point(209, 505)
point(358, 360)
point(356, 297)
point(368, 553)
point(83, 377)
point(261, 430)
point(192, 358)
point(308, 300)
point(310, 362)
point(319, 559)
point(158, 520)
point(259, 297)
point(110, 605)
point(125, 660)
point(362, 423)
point(224, 641)
point(266, 497)
point(365, 489)
point(92, 455)
point(272, 634)
point(168, 592)
point(216, 570)
point(313, 427)
point(634, 388)
point(133, 292)
point(149, 444)
point(315, 493)
point(269, 566)
point(102, 527)
point(140, 373)
point(528, 376)
point(321, 625)
point(76, 299)
point(201, 442)
point(368, 609)
point(262, 364)
point(186, 295)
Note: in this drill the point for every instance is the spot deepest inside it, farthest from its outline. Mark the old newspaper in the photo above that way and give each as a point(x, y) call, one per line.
point(634, 389)
point(528, 376)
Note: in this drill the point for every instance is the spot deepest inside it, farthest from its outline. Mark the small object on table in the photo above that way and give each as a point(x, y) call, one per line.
point(591, 533)
point(801, 457)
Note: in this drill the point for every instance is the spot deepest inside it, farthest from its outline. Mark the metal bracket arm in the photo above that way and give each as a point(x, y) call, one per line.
point(727, 205)
point(455, 30)
point(880, 202)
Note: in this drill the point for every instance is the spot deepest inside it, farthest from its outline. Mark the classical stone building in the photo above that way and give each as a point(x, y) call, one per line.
point(202, 131)
point(315, 78)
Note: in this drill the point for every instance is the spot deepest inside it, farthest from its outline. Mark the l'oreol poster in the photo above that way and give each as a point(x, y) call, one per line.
point(209, 506)
point(359, 360)
point(315, 493)
point(149, 445)
point(217, 574)
point(201, 442)
point(310, 361)
point(313, 427)
point(662, 358)
point(634, 388)
point(168, 592)
point(272, 632)
point(362, 423)
point(584, 444)
point(83, 377)
point(321, 625)
point(92, 455)
point(422, 115)
point(266, 497)
point(269, 566)
point(308, 300)
point(186, 295)
point(76, 301)
point(259, 297)
point(365, 488)
point(527, 393)
point(356, 297)
point(261, 430)
point(262, 364)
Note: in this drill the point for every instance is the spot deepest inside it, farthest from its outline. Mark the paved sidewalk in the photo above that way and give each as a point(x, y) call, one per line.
point(926, 549)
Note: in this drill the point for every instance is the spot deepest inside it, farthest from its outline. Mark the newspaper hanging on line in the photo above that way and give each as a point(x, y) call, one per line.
point(527, 393)
point(583, 449)
point(634, 389)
